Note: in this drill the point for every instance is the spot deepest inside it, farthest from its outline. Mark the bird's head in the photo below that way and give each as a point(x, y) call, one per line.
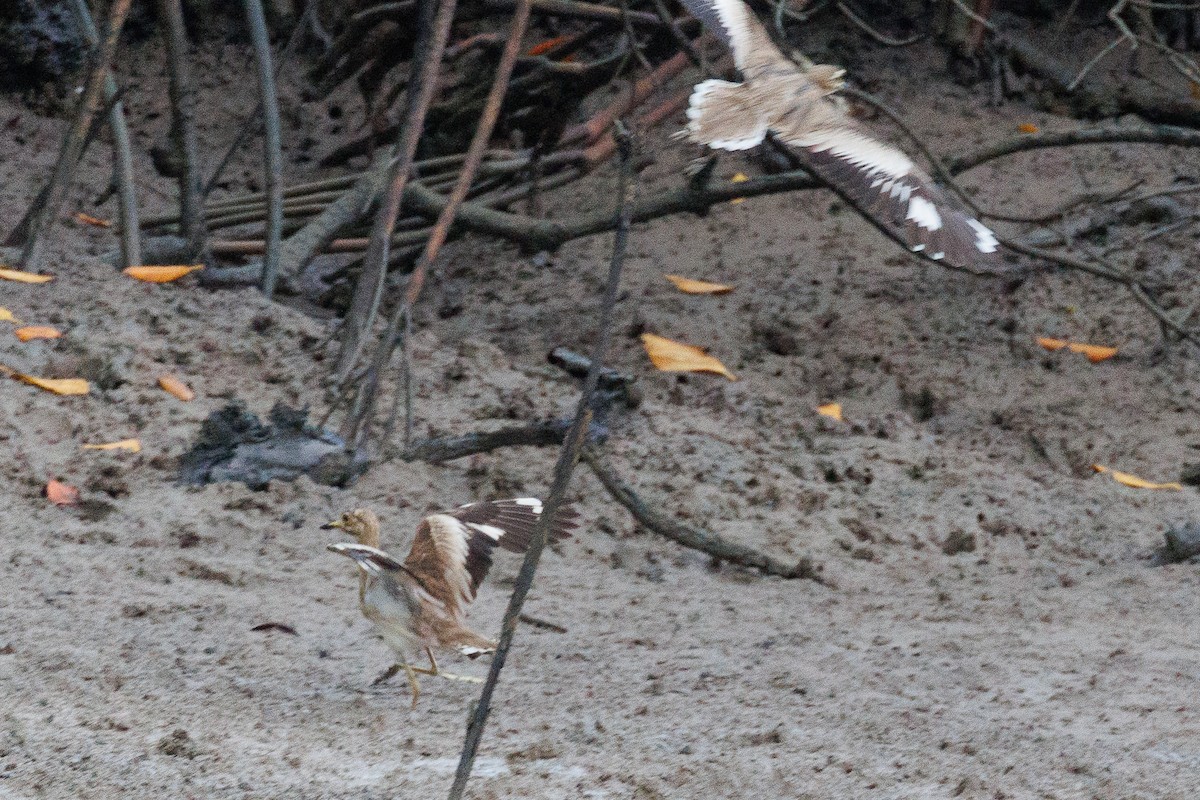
point(361, 523)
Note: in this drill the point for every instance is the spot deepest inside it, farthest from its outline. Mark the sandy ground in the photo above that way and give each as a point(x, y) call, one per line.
point(993, 623)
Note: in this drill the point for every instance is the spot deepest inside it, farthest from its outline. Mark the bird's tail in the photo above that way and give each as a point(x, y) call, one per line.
point(724, 115)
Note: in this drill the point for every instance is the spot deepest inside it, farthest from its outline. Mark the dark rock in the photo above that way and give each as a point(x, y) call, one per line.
point(234, 445)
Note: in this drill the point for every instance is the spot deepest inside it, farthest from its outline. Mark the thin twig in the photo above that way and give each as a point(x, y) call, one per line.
point(74, 142)
point(182, 91)
point(437, 237)
point(130, 235)
point(543, 433)
point(272, 153)
point(562, 477)
point(249, 125)
point(719, 548)
point(368, 291)
point(885, 40)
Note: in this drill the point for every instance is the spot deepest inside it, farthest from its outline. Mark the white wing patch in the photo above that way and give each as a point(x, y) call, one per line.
point(533, 503)
point(924, 213)
point(869, 155)
point(491, 531)
point(985, 239)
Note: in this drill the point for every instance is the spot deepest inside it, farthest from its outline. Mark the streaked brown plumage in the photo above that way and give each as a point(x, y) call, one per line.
point(420, 603)
point(799, 105)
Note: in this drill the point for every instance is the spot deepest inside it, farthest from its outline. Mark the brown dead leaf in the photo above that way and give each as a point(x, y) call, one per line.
point(6, 315)
point(831, 410)
point(689, 286)
point(174, 386)
point(95, 222)
point(671, 356)
point(23, 277)
point(1134, 481)
point(161, 274)
point(131, 445)
point(61, 494)
point(37, 332)
point(69, 386)
point(1027, 127)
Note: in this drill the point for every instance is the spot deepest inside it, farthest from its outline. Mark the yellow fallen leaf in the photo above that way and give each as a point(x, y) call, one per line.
point(689, 286)
point(95, 222)
point(61, 494)
point(132, 445)
point(37, 332)
point(1094, 352)
point(831, 410)
point(1134, 481)
point(1027, 127)
point(23, 277)
point(174, 386)
point(163, 274)
point(6, 315)
point(56, 385)
point(671, 356)
point(738, 178)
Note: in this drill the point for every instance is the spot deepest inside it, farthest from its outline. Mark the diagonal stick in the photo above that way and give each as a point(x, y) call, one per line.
point(567, 458)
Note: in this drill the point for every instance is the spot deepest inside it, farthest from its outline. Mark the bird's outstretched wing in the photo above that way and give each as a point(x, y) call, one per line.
point(892, 191)
point(452, 551)
point(753, 49)
point(879, 180)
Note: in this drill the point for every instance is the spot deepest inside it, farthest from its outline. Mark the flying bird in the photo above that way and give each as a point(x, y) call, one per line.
point(801, 107)
point(420, 603)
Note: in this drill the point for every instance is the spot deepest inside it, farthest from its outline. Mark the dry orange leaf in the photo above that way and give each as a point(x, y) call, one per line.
point(831, 410)
point(176, 387)
point(61, 494)
point(1094, 352)
point(132, 445)
point(690, 286)
point(37, 332)
point(1027, 127)
point(95, 222)
point(23, 277)
point(541, 48)
point(1052, 344)
point(164, 274)
point(1134, 481)
point(56, 385)
point(671, 356)
point(6, 315)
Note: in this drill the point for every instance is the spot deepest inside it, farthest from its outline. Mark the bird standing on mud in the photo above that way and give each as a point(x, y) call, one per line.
point(800, 106)
point(420, 603)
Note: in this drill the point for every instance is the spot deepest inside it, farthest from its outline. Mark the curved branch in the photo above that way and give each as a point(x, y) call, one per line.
point(1142, 134)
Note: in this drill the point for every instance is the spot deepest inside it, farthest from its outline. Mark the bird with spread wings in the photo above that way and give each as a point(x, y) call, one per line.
point(800, 106)
point(420, 603)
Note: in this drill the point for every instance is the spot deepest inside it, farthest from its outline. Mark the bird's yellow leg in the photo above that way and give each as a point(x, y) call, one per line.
point(448, 675)
point(412, 682)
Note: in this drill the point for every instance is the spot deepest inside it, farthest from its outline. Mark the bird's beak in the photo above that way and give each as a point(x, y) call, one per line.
point(328, 526)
